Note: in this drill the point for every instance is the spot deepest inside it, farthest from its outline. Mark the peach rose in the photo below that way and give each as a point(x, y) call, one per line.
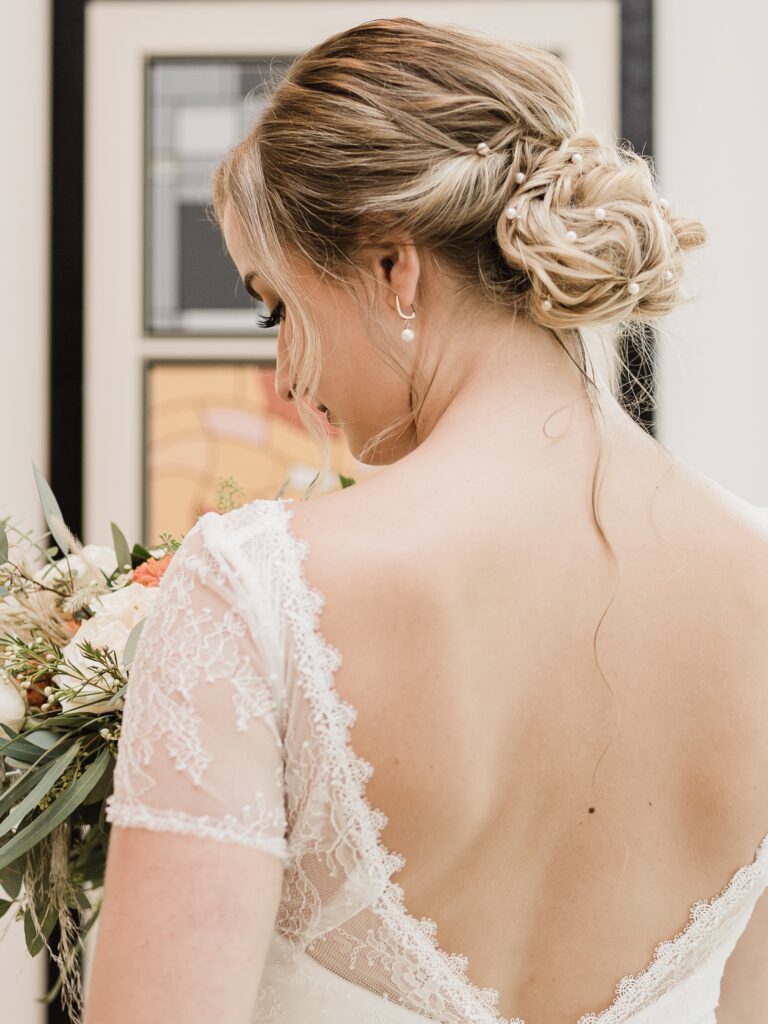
point(149, 573)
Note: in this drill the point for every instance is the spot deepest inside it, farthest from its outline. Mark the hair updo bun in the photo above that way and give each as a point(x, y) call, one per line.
point(399, 129)
point(586, 226)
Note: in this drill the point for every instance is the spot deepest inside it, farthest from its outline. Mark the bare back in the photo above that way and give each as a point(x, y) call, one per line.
point(557, 823)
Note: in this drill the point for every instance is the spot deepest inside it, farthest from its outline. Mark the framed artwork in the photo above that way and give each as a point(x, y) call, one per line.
point(211, 421)
point(195, 109)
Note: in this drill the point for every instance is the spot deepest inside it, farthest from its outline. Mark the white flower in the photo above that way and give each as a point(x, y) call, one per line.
point(13, 707)
point(101, 558)
point(115, 615)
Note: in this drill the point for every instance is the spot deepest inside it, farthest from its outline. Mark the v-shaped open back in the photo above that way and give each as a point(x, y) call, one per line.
point(360, 928)
point(345, 948)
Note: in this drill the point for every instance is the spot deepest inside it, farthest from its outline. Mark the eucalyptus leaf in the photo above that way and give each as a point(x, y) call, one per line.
point(44, 738)
point(21, 749)
point(3, 545)
point(4, 591)
point(5, 906)
point(122, 550)
point(131, 643)
point(35, 745)
point(18, 790)
point(11, 876)
point(22, 753)
point(34, 939)
point(47, 779)
point(82, 900)
point(102, 788)
point(56, 812)
point(51, 511)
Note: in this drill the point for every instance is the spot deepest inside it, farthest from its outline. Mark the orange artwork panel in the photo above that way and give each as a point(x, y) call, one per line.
point(206, 422)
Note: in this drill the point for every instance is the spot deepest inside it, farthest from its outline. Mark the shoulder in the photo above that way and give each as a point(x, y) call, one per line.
point(361, 533)
point(725, 535)
point(724, 541)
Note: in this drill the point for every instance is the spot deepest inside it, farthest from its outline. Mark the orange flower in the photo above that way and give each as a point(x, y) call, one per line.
point(149, 573)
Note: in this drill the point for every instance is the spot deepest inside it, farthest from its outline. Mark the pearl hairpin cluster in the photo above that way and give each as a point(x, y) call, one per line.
point(601, 214)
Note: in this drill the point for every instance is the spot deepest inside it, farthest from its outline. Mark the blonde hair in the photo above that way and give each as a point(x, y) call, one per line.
point(372, 136)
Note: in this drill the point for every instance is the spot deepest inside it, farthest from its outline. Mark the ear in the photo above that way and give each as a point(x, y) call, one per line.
point(397, 269)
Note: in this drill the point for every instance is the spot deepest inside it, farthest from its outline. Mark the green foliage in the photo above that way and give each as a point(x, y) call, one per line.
point(139, 555)
point(34, 939)
point(51, 511)
point(61, 808)
point(12, 875)
point(132, 642)
point(122, 551)
point(41, 789)
point(3, 545)
point(228, 491)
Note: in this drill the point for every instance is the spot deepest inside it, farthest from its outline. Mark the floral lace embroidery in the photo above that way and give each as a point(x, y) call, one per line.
point(408, 945)
point(186, 646)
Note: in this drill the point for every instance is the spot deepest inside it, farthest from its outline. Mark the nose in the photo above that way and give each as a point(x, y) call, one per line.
point(284, 391)
point(284, 388)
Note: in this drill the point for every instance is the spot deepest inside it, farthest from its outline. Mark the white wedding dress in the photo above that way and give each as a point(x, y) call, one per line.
point(233, 730)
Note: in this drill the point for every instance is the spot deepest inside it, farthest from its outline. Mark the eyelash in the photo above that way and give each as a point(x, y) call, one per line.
point(274, 318)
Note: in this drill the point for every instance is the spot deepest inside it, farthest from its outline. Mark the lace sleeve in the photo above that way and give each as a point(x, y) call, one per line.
point(201, 749)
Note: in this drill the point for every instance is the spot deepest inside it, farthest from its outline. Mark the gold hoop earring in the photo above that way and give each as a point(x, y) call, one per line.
point(406, 334)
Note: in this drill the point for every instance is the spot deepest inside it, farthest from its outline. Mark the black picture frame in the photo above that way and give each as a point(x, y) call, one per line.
point(67, 273)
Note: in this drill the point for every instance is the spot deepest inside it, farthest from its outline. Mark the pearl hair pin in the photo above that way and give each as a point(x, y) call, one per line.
point(511, 212)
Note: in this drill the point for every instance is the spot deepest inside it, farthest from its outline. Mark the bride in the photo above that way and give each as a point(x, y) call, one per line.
point(484, 737)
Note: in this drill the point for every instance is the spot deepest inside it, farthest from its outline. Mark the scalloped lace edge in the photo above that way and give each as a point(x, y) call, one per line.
point(227, 829)
point(422, 931)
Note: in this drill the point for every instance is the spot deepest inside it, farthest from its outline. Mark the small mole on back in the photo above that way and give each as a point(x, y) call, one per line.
point(591, 810)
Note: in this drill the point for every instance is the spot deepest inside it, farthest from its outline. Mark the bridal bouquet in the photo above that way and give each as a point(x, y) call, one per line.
point(70, 619)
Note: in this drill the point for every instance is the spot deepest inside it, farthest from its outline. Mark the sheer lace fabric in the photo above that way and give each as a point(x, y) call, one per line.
point(233, 730)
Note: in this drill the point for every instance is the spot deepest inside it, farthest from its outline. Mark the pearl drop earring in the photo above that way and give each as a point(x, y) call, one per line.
point(406, 334)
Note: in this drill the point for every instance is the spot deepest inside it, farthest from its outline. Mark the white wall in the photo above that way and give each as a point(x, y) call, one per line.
point(712, 155)
point(24, 170)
